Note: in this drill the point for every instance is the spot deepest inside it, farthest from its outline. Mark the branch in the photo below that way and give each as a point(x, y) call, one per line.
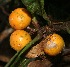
point(5, 33)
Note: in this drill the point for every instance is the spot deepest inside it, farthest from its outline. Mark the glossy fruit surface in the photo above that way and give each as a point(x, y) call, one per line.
point(54, 44)
point(19, 39)
point(19, 18)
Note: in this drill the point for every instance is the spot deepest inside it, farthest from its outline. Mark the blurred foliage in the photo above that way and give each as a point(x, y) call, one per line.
point(4, 2)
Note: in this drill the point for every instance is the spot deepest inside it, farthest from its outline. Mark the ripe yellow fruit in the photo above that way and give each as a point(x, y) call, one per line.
point(19, 18)
point(19, 39)
point(54, 44)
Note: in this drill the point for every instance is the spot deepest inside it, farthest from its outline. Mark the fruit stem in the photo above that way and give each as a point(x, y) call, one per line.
point(35, 23)
point(25, 61)
point(11, 60)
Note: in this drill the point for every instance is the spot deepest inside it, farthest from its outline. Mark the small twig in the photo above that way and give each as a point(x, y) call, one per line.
point(35, 23)
point(66, 51)
point(24, 62)
point(59, 23)
point(31, 30)
point(5, 33)
point(4, 58)
point(47, 18)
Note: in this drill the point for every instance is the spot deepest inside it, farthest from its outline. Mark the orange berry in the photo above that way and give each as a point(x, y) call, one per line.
point(54, 44)
point(19, 18)
point(19, 39)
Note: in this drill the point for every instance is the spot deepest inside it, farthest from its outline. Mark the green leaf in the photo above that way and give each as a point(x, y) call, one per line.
point(34, 6)
point(27, 2)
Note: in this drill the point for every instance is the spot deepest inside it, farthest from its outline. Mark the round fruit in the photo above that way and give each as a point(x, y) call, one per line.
point(19, 18)
point(19, 39)
point(54, 44)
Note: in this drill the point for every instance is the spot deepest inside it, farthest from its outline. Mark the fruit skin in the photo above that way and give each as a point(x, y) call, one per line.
point(19, 18)
point(54, 44)
point(19, 39)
